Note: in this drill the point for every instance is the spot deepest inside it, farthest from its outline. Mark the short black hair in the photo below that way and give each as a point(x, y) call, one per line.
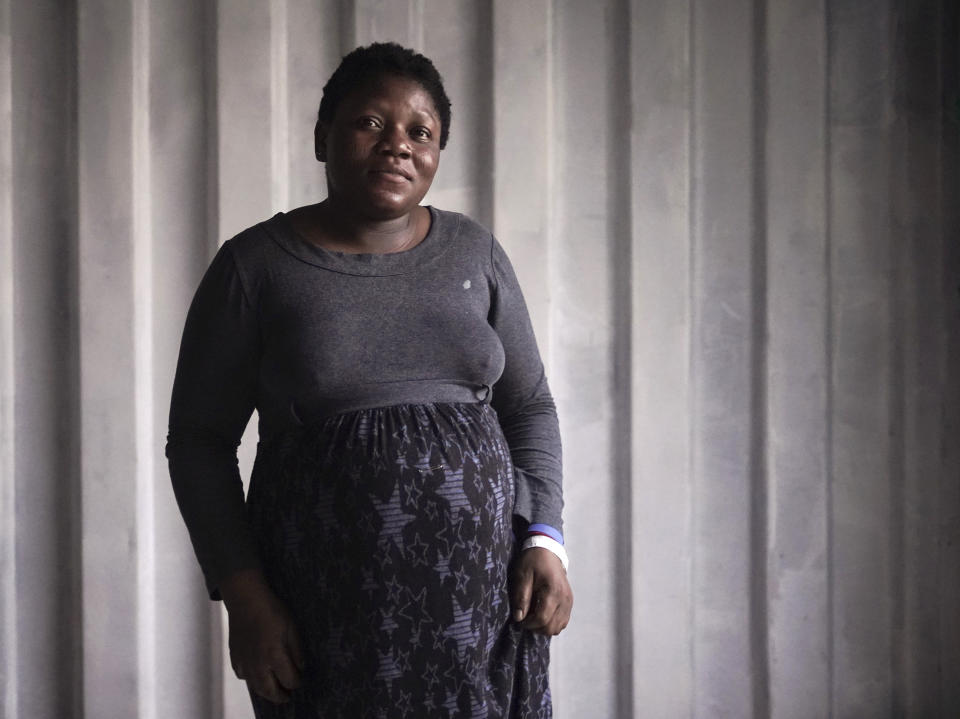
point(384, 58)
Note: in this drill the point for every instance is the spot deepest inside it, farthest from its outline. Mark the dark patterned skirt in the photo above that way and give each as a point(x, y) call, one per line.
point(388, 533)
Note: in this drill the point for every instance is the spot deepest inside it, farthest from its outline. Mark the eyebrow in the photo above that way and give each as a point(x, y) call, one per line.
point(432, 114)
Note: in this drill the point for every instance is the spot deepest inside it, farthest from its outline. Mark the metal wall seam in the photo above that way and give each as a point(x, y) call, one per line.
point(108, 363)
point(9, 683)
point(948, 554)
point(142, 340)
point(797, 371)
point(662, 55)
point(279, 108)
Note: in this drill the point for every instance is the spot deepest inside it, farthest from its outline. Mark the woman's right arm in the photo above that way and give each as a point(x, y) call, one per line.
point(214, 394)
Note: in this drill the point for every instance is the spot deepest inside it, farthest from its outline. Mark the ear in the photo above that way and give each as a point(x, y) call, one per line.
point(320, 131)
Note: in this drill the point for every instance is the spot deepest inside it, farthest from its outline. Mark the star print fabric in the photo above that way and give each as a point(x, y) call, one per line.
point(388, 533)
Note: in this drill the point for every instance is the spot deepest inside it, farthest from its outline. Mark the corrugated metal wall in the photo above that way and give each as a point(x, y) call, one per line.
point(736, 224)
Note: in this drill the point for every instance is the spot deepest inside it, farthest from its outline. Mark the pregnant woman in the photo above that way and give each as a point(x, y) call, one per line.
point(399, 552)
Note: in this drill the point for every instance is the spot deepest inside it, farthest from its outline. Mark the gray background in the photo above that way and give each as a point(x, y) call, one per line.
point(736, 224)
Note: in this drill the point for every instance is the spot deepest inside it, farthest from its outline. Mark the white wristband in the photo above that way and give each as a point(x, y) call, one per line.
point(550, 544)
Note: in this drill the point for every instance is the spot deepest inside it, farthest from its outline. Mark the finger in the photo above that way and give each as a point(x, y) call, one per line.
point(566, 609)
point(561, 617)
point(284, 670)
point(541, 615)
point(266, 685)
point(520, 595)
point(543, 606)
point(559, 620)
point(295, 648)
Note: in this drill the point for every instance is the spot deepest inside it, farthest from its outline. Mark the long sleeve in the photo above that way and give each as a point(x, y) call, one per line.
point(214, 394)
point(523, 402)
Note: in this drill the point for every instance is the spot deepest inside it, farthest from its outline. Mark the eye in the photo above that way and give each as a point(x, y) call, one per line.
point(368, 121)
point(421, 133)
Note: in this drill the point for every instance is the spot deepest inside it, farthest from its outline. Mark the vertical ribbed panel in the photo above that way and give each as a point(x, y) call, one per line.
point(180, 143)
point(42, 278)
point(661, 274)
point(464, 180)
point(919, 316)
point(245, 141)
point(110, 177)
point(925, 205)
point(8, 526)
point(797, 363)
point(947, 490)
point(313, 53)
point(394, 20)
point(583, 241)
point(722, 356)
point(735, 226)
point(863, 550)
point(522, 143)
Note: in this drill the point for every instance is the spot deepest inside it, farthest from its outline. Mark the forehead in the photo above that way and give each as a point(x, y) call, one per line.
point(394, 91)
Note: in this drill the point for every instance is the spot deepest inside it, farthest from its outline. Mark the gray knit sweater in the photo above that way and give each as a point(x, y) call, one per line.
point(299, 333)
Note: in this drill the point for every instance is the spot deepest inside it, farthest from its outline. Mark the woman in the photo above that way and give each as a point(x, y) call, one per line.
point(409, 447)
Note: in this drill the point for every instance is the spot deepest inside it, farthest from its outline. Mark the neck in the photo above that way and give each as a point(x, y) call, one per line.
point(366, 234)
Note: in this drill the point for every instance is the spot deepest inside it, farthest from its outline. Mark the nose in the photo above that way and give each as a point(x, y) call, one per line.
point(394, 141)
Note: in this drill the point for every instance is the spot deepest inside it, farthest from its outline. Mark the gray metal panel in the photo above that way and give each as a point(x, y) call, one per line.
point(582, 316)
point(798, 360)
point(41, 281)
point(8, 523)
point(735, 226)
point(862, 384)
point(660, 423)
point(522, 150)
point(180, 141)
point(723, 358)
point(112, 166)
point(456, 31)
point(919, 354)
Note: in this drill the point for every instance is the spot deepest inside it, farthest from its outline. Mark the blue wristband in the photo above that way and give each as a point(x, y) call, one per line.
point(546, 529)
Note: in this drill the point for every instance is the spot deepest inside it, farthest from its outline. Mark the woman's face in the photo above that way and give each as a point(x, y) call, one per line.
point(382, 148)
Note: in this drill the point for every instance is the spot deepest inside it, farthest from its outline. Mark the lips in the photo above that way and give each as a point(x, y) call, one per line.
point(391, 173)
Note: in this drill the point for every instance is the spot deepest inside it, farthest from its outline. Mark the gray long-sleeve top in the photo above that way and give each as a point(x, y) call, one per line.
point(299, 332)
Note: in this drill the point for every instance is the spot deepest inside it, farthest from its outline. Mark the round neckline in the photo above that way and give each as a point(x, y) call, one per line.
point(443, 225)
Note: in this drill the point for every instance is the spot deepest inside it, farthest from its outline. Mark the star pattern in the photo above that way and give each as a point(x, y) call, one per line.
point(460, 629)
point(412, 494)
point(461, 578)
point(442, 567)
point(388, 668)
point(393, 516)
point(450, 535)
point(473, 548)
point(450, 702)
point(418, 551)
point(396, 569)
point(420, 615)
point(403, 704)
point(388, 624)
point(430, 676)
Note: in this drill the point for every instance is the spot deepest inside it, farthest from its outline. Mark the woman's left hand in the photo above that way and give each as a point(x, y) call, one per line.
point(540, 595)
